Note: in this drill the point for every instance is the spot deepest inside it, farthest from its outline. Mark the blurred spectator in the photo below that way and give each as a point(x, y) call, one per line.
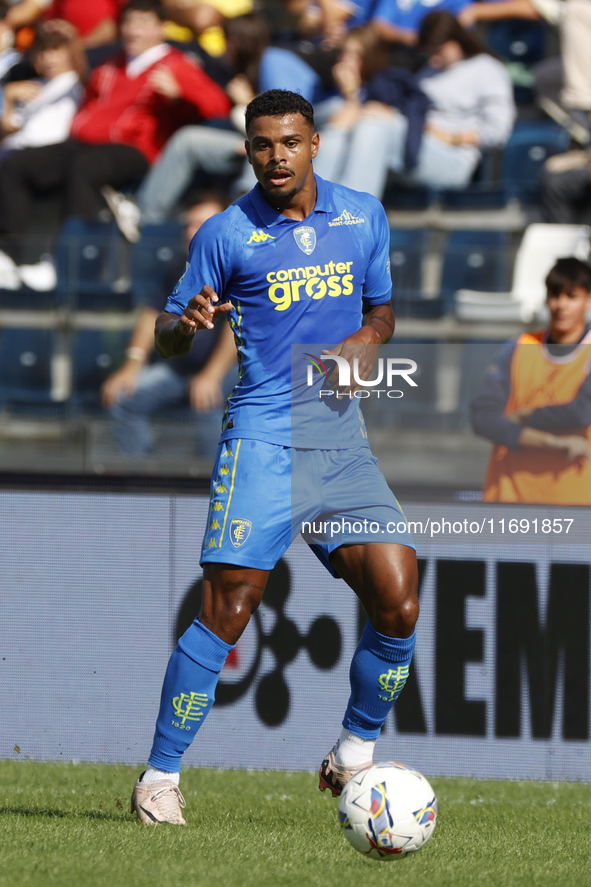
point(399, 21)
point(132, 105)
point(206, 20)
point(26, 12)
point(495, 10)
point(535, 404)
point(140, 387)
point(330, 19)
point(9, 57)
point(564, 84)
point(471, 109)
point(255, 66)
point(40, 112)
point(95, 20)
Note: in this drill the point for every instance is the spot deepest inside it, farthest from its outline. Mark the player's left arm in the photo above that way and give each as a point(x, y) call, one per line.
point(381, 319)
point(377, 325)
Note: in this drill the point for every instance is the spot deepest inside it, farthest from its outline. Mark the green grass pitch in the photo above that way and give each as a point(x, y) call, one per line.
point(67, 824)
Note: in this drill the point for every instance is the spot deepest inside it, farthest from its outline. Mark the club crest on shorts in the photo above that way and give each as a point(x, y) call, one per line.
point(305, 237)
point(239, 531)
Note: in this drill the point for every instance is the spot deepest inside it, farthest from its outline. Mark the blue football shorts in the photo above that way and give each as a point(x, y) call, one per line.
point(264, 495)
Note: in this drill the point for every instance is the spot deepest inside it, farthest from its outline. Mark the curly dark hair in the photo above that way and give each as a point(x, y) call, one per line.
point(278, 103)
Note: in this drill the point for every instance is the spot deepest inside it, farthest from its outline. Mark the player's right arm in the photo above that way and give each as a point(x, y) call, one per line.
point(194, 305)
point(174, 334)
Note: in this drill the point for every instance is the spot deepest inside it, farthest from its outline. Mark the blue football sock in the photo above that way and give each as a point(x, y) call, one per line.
point(379, 670)
point(188, 693)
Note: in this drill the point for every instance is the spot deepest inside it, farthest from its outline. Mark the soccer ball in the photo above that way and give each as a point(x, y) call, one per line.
point(387, 811)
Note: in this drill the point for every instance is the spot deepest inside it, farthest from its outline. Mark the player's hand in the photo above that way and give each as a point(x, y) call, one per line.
point(202, 312)
point(575, 448)
point(205, 392)
point(361, 354)
point(123, 381)
point(165, 83)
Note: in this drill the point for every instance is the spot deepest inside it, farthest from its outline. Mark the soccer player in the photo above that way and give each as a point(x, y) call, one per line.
point(295, 261)
point(535, 403)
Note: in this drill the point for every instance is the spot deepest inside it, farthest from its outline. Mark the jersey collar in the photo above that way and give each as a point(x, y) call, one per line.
point(271, 217)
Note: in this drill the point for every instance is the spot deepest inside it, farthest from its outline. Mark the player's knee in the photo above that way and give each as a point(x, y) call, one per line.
point(408, 613)
point(243, 602)
point(396, 613)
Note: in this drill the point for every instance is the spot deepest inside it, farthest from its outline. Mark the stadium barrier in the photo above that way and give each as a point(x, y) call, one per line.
point(96, 587)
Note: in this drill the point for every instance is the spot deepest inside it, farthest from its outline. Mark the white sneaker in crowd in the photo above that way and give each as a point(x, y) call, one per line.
point(9, 276)
point(126, 213)
point(41, 277)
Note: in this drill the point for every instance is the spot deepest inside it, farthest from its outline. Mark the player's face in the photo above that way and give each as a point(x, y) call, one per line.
point(567, 313)
point(281, 150)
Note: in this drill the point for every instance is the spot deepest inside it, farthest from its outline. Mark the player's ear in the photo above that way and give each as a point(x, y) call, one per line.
point(315, 144)
point(247, 149)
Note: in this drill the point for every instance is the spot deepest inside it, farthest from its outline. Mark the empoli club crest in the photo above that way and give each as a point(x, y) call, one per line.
point(239, 531)
point(305, 237)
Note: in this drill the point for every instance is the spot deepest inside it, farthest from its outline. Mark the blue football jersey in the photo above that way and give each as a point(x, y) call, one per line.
point(291, 283)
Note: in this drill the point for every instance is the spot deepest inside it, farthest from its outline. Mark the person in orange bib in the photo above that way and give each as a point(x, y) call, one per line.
point(535, 403)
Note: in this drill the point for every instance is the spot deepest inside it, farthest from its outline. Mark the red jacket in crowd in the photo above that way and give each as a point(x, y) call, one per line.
point(124, 110)
point(85, 16)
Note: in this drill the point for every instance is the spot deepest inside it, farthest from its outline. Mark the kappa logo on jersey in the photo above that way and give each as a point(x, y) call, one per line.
point(288, 285)
point(259, 237)
point(239, 531)
point(345, 218)
point(305, 237)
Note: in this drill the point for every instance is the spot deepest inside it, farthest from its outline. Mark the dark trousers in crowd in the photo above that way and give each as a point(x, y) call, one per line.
point(76, 169)
point(566, 195)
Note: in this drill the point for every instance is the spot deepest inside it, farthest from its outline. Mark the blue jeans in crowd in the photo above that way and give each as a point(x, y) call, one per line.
point(362, 158)
point(158, 387)
point(215, 151)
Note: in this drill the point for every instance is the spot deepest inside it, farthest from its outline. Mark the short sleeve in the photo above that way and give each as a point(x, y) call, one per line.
point(377, 287)
point(207, 264)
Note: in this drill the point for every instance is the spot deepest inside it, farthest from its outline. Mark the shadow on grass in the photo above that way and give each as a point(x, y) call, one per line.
point(54, 813)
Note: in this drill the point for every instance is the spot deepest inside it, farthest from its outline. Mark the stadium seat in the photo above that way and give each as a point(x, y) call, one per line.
point(541, 246)
point(157, 262)
point(92, 260)
point(485, 191)
point(518, 40)
point(530, 145)
point(474, 260)
point(412, 198)
point(25, 367)
point(95, 354)
point(408, 247)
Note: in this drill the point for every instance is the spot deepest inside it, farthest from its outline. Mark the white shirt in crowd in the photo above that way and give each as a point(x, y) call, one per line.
point(46, 120)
